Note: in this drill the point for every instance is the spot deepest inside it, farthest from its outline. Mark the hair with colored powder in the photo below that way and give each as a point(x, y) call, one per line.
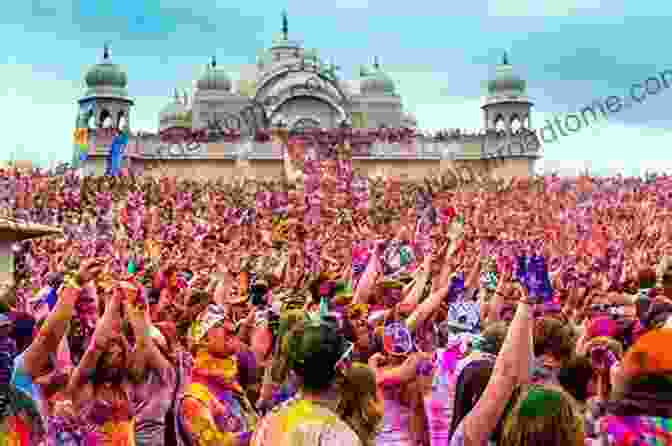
point(291, 324)
point(313, 354)
point(359, 405)
point(543, 415)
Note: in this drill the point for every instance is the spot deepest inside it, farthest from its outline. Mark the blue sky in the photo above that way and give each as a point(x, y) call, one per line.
point(571, 52)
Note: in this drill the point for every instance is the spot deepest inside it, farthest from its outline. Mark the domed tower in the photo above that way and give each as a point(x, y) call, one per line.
point(283, 49)
point(213, 96)
point(379, 99)
point(377, 82)
point(507, 106)
point(105, 103)
point(175, 114)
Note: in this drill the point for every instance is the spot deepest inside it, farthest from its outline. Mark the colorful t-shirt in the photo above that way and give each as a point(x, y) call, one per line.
point(302, 422)
point(152, 400)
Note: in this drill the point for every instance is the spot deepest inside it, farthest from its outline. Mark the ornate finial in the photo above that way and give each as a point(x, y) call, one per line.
point(376, 65)
point(505, 59)
point(213, 61)
point(285, 25)
point(186, 98)
point(177, 95)
point(106, 51)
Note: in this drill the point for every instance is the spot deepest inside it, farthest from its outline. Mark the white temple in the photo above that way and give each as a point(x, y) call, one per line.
point(294, 88)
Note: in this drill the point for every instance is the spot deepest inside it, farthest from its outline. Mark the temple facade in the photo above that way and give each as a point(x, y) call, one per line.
point(218, 126)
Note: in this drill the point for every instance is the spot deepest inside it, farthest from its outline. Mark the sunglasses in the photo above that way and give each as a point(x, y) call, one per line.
point(345, 361)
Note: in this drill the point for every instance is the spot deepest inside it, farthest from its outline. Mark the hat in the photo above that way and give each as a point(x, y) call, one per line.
point(650, 355)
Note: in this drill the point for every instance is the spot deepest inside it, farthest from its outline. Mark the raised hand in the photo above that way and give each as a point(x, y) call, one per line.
point(90, 269)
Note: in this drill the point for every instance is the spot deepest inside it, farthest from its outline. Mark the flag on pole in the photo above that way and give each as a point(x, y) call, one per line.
point(116, 154)
point(82, 142)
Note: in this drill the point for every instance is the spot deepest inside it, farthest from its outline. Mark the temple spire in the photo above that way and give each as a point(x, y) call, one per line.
point(376, 65)
point(285, 25)
point(213, 61)
point(505, 59)
point(106, 51)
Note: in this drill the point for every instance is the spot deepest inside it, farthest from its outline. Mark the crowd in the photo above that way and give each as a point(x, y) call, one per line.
point(331, 308)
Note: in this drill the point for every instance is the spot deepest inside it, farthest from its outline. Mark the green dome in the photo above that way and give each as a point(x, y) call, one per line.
point(376, 82)
point(214, 78)
point(106, 74)
point(174, 111)
point(506, 81)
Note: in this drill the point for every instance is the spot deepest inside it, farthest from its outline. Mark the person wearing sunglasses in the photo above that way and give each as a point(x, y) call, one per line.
point(214, 408)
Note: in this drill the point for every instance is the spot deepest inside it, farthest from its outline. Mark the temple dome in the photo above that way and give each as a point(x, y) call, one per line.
point(174, 111)
point(214, 78)
point(376, 82)
point(506, 81)
point(106, 74)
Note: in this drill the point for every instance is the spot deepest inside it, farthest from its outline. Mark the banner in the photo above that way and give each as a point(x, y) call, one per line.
point(82, 143)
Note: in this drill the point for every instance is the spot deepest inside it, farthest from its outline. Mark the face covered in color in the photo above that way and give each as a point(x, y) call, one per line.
point(222, 340)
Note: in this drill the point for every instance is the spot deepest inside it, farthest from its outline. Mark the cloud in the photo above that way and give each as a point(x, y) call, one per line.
point(541, 8)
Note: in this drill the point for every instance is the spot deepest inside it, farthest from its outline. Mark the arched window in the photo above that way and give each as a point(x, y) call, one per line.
point(91, 120)
point(515, 124)
point(499, 123)
point(121, 120)
point(105, 121)
point(306, 123)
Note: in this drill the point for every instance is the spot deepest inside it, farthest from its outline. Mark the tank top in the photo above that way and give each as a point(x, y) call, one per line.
point(395, 428)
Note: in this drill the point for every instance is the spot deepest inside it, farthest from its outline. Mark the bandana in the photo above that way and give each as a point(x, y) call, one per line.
point(213, 315)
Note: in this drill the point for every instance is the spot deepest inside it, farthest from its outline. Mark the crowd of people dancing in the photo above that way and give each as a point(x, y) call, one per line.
point(331, 308)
